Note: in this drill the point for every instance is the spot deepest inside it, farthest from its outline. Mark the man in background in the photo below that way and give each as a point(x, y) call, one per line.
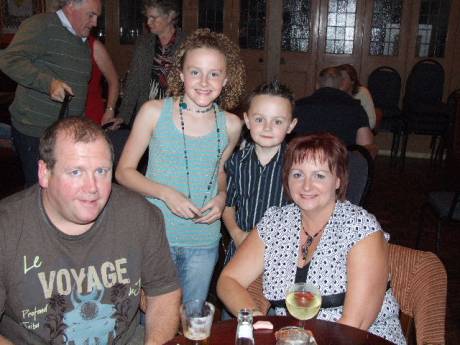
point(330, 109)
point(48, 57)
point(76, 250)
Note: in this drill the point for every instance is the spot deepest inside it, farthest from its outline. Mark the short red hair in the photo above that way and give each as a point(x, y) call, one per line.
point(320, 147)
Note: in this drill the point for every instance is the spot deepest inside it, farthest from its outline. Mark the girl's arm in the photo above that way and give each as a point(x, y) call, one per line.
point(127, 174)
point(245, 267)
point(367, 273)
point(105, 64)
point(217, 204)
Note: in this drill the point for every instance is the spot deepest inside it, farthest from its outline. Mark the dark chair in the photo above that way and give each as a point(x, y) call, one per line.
point(446, 208)
point(384, 84)
point(423, 110)
point(452, 101)
point(360, 173)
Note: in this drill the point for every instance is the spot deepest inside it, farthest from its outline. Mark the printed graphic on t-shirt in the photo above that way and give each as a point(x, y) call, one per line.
point(89, 305)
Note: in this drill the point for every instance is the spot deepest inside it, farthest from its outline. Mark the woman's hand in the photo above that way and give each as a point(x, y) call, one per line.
point(212, 211)
point(180, 205)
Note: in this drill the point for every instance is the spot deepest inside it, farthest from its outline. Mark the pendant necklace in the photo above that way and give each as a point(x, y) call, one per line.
point(219, 155)
point(309, 241)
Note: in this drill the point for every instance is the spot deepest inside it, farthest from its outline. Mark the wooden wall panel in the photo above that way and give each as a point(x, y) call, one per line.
point(453, 50)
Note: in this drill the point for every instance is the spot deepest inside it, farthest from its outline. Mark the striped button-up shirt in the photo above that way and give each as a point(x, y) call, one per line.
point(251, 187)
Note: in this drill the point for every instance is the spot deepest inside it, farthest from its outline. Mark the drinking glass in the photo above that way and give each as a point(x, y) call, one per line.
point(303, 301)
point(292, 335)
point(196, 317)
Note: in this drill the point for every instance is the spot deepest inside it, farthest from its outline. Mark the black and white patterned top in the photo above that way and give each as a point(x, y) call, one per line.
point(280, 231)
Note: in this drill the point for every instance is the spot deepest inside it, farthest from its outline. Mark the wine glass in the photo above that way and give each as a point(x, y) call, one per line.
point(303, 301)
point(197, 318)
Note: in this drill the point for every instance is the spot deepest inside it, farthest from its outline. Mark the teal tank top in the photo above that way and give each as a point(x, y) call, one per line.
point(166, 165)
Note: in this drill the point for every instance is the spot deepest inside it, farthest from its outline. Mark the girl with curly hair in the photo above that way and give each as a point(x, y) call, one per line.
point(190, 136)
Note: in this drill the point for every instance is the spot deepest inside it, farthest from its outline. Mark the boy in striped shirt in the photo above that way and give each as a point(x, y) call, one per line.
point(254, 174)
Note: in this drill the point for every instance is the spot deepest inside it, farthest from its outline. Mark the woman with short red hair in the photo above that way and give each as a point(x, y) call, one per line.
point(321, 239)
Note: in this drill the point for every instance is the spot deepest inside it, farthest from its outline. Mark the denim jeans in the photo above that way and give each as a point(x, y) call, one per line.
point(27, 150)
point(195, 267)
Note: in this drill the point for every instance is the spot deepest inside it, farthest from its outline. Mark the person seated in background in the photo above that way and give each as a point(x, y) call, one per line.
point(97, 109)
point(332, 110)
point(75, 247)
point(254, 174)
point(352, 86)
point(325, 240)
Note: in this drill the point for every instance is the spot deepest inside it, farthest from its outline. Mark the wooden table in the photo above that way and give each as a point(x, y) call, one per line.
point(325, 332)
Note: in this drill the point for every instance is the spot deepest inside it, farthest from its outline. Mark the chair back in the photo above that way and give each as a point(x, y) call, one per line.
point(360, 172)
point(452, 103)
point(425, 84)
point(257, 294)
point(384, 84)
point(454, 210)
point(419, 283)
point(446, 204)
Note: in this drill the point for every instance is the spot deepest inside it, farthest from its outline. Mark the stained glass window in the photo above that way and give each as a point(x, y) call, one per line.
point(385, 30)
point(296, 34)
point(252, 24)
point(211, 15)
point(432, 28)
point(340, 32)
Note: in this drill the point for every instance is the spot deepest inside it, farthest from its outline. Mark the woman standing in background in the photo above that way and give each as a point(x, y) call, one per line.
point(153, 57)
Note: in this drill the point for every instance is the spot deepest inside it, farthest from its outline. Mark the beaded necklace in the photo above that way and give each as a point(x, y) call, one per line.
point(187, 170)
point(183, 105)
point(309, 241)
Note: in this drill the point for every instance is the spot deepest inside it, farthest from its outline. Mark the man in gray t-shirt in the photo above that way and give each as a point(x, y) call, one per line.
point(75, 251)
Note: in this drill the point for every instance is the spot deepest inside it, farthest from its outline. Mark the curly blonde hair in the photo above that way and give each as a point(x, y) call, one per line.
point(229, 98)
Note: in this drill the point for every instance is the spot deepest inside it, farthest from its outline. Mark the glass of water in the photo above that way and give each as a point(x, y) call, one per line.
point(196, 317)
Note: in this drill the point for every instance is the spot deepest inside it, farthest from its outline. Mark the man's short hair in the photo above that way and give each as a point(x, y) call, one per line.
point(330, 77)
point(273, 88)
point(79, 129)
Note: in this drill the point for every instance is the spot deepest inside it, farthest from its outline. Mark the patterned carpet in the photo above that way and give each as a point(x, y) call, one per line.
point(395, 198)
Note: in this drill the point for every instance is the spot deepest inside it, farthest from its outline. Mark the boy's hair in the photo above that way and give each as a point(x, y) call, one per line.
point(273, 88)
point(330, 77)
point(79, 129)
point(236, 76)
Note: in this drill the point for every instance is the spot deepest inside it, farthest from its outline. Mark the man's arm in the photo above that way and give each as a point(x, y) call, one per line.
point(17, 60)
point(162, 317)
point(364, 136)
